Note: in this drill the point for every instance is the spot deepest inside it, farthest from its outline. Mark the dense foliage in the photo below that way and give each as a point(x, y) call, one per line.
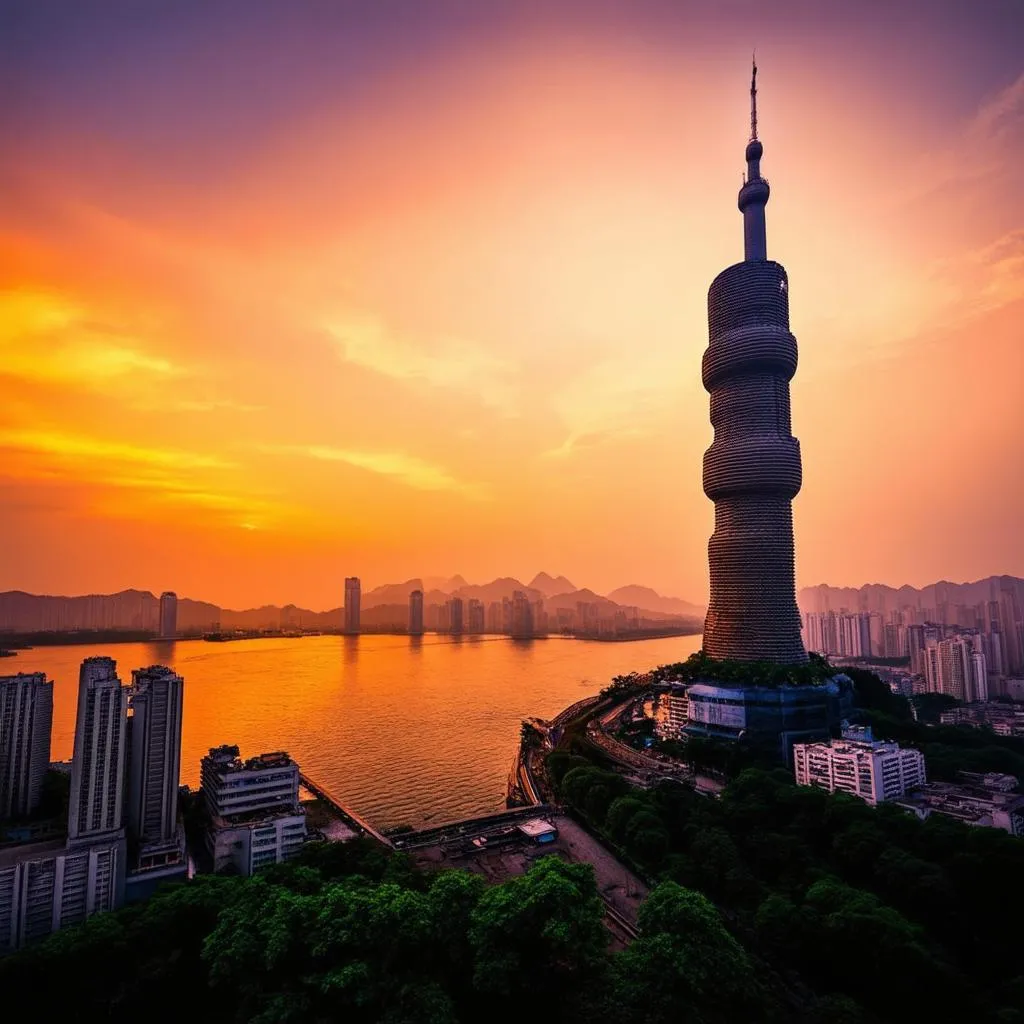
point(886, 915)
point(348, 933)
point(701, 668)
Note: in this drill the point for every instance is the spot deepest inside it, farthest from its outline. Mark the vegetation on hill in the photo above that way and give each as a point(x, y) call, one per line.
point(701, 668)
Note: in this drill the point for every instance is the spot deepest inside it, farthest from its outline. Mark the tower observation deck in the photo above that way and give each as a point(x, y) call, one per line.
point(752, 470)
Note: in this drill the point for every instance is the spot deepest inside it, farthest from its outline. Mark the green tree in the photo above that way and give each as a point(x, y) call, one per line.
point(540, 934)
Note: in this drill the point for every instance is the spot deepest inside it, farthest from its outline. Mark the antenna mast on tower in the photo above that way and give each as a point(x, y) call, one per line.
point(753, 100)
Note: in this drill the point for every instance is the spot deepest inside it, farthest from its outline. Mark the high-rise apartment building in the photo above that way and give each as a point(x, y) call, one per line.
point(97, 769)
point(522, 615)
point(455, 619)
point(154, 767)
point(859, 765)
point(26, 715)
point(956, 666)
point(477, 621)
point(752, 470)
point(168, 615)
point(352, 599)
point(493, 618)
point(416, 613)
point(52, 883)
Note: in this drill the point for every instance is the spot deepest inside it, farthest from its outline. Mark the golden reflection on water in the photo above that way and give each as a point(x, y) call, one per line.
point(403, 729)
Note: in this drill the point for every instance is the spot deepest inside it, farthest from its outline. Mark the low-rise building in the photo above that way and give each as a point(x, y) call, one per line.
point(859, 765)
point(255, 818)
point(672, 714)
point(986, 801)
point(1002, 719)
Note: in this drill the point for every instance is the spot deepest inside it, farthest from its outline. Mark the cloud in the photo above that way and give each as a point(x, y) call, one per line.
point(79, 446)
point(46, 336)
point(409, 469)
point(443, 362)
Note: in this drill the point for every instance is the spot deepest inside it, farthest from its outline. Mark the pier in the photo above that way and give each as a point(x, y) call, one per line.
point(358, 823)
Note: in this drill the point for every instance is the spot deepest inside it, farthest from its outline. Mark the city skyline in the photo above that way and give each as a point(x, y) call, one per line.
point(300, 362)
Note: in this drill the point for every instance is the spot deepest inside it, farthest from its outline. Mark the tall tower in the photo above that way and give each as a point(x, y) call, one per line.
point(26, 713)
point(168, 615)
point(97, 768)
point(155, 764)
point(416, 613)
point(752, 470)
point(352, 599)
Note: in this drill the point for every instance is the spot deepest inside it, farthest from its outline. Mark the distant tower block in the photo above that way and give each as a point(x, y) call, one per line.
point(352, 602)
point(752, 471)
point(168, 615)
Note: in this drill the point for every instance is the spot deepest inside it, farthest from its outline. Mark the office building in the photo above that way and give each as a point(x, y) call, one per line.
point(156, 837)
point(416, 613)
point(255, 818)
point(168, 615)
point(26, 715)
point(494, 617)
point(859, 765)
point(97, 767)
point(352, 598)
point(477, 620)
point(752, 470)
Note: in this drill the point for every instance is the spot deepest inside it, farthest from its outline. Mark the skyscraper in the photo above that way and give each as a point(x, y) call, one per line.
point(168, 615)
point(26, 714)
point(154, 769)
point(352, 598)
point(97, 771)
point(416, 613)
point(752, 470)
point(455, 609)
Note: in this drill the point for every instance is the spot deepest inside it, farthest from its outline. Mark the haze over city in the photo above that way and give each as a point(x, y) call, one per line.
point(393, 296)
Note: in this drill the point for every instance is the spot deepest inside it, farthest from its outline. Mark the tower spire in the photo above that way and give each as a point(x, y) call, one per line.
point(753, 98)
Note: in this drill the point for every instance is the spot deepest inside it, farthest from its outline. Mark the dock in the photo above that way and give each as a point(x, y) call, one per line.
point(359, 823)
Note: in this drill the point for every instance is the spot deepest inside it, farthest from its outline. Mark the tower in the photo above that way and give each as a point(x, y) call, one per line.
point(155, 762)
point(97, 768)
point(352, 599)
point(26, 713)
point(752, 470)
point(416, 613)
point(168, 615)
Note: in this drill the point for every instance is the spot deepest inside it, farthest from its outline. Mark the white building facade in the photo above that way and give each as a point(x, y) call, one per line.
point(871, 770)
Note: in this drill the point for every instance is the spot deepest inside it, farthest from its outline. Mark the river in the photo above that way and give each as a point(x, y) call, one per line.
point(405, 730)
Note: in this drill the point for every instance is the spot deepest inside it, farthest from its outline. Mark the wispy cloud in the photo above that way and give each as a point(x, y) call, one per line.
point(408, 469)
point(80, 446)
point(47, 336)
point(443, 362)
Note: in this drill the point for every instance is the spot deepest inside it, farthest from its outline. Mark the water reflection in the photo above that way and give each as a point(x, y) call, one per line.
point(402, 727)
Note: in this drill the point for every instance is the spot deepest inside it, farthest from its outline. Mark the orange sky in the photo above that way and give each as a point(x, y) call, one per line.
point(447, 316)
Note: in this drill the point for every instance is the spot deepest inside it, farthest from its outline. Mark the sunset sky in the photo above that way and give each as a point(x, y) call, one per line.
point(291, 291)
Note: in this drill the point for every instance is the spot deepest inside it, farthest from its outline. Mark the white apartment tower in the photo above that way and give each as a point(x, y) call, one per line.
point(26, 714)
point(871, 770)
point(155, 700)
point(97, 770)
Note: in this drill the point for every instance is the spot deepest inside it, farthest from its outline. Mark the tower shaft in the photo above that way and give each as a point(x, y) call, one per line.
point(752, 470)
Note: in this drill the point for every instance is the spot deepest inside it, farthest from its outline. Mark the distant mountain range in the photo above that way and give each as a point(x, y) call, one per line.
point(22, 612)
point(877, 597)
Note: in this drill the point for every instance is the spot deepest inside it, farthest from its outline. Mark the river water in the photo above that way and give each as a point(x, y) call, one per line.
point(404, 730)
